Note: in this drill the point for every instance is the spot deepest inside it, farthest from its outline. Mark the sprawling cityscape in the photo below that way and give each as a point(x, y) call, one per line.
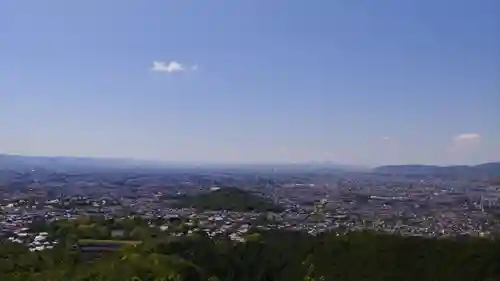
point(313, 201)
point(281, 140)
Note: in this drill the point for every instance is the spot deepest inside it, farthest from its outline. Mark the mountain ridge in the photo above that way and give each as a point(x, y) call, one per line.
point(16, 161)
point(490, 169)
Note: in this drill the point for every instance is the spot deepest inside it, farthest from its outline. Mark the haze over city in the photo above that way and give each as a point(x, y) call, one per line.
point(283, 140)
point(352, 82)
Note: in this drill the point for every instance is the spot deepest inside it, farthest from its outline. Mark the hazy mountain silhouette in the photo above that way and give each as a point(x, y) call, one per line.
point(483, 170)
point(9, 161)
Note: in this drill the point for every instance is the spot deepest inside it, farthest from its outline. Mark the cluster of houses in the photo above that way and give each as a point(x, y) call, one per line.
point(35, 241)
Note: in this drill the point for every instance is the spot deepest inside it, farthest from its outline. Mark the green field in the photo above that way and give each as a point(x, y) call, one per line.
point(107, 242)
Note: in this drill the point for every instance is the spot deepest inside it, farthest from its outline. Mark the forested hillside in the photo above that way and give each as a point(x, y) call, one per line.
point(232, 199)
point(265, 256)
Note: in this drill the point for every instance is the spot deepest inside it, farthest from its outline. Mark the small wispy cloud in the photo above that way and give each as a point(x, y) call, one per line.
point(172, 66)
point(467, 137)
point(465, 141)
point(386, 138)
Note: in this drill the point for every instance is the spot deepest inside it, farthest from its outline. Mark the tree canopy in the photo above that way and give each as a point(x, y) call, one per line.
point(231, 199)
point(265, 256)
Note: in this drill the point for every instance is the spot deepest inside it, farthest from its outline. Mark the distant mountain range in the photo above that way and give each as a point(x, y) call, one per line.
point(20, 162)
point(17, 162)
point(483, 170)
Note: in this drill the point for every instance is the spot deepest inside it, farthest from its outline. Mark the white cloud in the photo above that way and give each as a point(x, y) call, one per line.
point(465, 141)
point(172, 66)
point(386, 138)
point(467, 138)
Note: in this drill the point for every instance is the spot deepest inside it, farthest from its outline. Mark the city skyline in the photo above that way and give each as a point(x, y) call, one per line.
point(365, 83)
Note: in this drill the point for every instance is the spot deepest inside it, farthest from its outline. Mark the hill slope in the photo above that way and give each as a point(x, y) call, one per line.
point(483, 170)
point(231, 199)
point(21, 162)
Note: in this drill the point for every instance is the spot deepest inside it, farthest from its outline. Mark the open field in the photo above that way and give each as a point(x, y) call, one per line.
point(107, 242)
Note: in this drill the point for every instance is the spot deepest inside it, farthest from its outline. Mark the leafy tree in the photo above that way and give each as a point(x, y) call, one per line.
point(269, 255)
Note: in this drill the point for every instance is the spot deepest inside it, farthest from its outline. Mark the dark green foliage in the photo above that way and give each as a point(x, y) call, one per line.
point(231, 199)
point(267, 256)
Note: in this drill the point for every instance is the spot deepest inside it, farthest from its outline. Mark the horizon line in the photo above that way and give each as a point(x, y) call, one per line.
point(235, 163)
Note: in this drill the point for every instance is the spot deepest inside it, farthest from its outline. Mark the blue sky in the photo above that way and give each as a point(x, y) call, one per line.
point(356, 82)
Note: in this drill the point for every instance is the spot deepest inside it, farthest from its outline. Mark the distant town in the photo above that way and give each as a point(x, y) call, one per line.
point(217, 201)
